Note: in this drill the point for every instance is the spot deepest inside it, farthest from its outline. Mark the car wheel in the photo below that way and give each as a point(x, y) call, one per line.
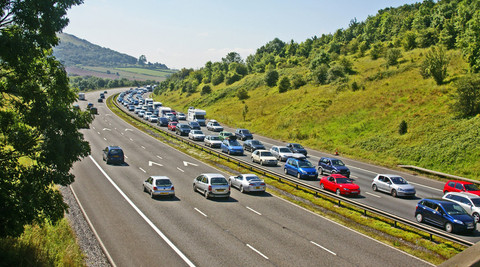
point(449, 227)
point(419, 217)
point(253, 160)
point(338, 192)
point(194, 188)
point(320, 170)
point(476, 217)
point(206, 194)
point(261, 162)
point(241, 189)
point(144, 189)
point(374, 187)
point(285, 171)
point(394, 193)
point(151, 194)
point(299, 176)
point(322, 186)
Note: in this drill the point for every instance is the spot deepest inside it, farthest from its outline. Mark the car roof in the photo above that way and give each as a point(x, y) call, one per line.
point(210, 175)
point(328, 158)
point(437, 200)
point(460, 182)
point(336, 175)
point(389, 175)
point(114, 147)
point(160, 177)
point(262, 150)
point(464, 194)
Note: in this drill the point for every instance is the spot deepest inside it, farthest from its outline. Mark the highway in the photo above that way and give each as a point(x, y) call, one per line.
point(246, 230)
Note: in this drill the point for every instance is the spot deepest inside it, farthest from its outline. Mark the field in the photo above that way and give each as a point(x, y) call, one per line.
point(138, 74)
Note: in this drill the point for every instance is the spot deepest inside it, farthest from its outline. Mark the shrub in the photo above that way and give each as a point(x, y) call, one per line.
point(217, 78)
point(242, 94)
point(393, 55)
point(206, 90)
point(297, 81)
point(271, 78)
point(402, 128)
point(284, 84)
point(468, 96)
point(320, 74)
point(435, 65)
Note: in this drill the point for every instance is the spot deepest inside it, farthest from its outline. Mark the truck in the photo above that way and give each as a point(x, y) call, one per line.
point(197, 115)
point(81, 96)
point(163, 111)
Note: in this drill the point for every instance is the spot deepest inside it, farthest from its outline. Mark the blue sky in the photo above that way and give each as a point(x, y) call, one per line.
point(188, 33)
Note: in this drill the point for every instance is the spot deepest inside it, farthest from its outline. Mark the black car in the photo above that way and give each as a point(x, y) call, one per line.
point(252, 145)
point(297, 148)
point(162, 121)
point(100, 100)
point(243, 134)
point(113, 154)
point(182, 129)
point(194, 125)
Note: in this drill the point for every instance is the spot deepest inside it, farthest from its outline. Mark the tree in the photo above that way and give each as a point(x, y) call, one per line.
point(245, 111)
point(37, 118)
point(470, 42)
point(271, 78)
point(242, 94)
point(402, 127)
point(284, 84)
point(206, 90)
point(435, 64)
point(232, 57)
point(468, 96)
point(393, 54)
point(142, 60)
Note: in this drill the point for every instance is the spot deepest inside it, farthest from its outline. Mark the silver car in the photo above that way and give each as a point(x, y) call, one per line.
point(212, 185)
point(159, 186)
point(394, 185)
point(282, 153)
point(212, 141)
point(264, 157)
point(470, 202)
point(247, 183)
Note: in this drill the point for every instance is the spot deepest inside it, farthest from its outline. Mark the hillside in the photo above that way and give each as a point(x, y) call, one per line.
point(343, 91)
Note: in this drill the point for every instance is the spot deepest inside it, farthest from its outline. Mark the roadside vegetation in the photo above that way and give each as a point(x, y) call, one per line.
point(400, 87)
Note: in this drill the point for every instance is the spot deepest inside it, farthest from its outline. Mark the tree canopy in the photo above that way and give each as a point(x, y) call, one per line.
point(39, 128)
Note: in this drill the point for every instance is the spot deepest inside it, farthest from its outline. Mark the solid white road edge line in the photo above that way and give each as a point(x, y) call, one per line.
point(164, 237)
point(259, 253)
point(199, 211)
point(327, 250)
point(372, 194)
point(254, 211)
point(102, 246)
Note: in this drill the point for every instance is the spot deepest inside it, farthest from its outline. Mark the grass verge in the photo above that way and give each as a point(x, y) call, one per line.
point(400, 236)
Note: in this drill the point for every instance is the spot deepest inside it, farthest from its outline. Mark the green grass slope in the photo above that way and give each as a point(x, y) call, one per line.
point(362, 124)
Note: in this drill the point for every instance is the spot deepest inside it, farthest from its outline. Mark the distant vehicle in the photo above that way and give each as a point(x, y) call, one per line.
point(264, 157)
point(282, 153)
point(231, 146)
point(172, 125)
point(461, 186)
point(213, 141)
point(333, 165)
point(113, 154)
point(89, 105)
point(149, 101)
point(81, 96)
point(162, 121)
point(339, 184)
point(301, 168)
point(196, 135)
point(212, 185)
point(93, 110)
point(252, 145)
point(197, 115)
point(194, 125)
point(100, 100)
point(105, 92)
point(224, 135)
point(163, 111)
point(153, 118)
point(468, 201)
point(147, 115)
point(214, 126)
point(297, 148)
point(444, 214)
point(182, 129)
point(243, 134)
point(394, 185)
point(159, 186)
point(247, 183)
point(156, 105)
point(131, 108)
point(181, 116)
point(102, 95)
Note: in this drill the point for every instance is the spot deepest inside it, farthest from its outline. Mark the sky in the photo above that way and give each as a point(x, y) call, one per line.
point(188, 33)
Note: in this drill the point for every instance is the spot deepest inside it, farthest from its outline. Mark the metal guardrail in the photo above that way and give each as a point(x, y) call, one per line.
point(439, 173)
point(253, 167)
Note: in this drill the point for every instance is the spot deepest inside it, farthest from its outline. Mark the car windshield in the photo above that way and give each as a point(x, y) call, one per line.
point(337, 162)
point(116, 151)
point(197, 132)
point(266, 154)
point(246, 132)
point(285, 150)
point(476, 202)
point(173, 123)
point(471, 187)
point(227, 134)
point(249, 178)
point(163, 182)
point(215, 124)
point(453, 209)
point(218, 181)
point(344, 181)
point(297, 146)
point(184, 126)
point(304, 164)
point(255, 142)
point(233, 143)
point(398, 180)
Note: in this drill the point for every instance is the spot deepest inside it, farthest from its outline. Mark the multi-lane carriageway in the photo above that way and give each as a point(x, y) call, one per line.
point(246, 230)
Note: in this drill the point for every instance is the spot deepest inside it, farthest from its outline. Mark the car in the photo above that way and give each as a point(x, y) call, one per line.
point(89, 105)
point(131, 107)
point(100, 100)
point(301, 168)
point(461, 186)
point(264, 157)
point(214, 126)
point(172, 125)
point(93, 110)
point(243, 134)
point(252, 145)
point(196, 135)
point(113, 155)
point(162, 121)
point(444, 214)
point(102, 95)
point(141, 113)
point(212, 185)
point(194, 125)
point(468, 201)
point(224, 135)
point(153, 118)
point(146, 115)
point(297, 148)
point(231, 146)
point(394, 185)
point(105, 92)
point(182, 129)
point(137, 109)
point(181, 116)
point(247, 183)
point(159, 186)
point(339, 184)
point(213, 141)
point(333, 165)
point(282, 153)
point(170, 117)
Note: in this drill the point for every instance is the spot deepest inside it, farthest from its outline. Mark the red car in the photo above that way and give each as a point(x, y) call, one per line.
point(340, 185)
point(172, 125)
point(461, 186)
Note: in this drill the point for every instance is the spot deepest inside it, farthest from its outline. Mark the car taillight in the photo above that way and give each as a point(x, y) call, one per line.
point(228, 188)
point(210, 188)
point(251, 184)
point(262, 184)
point(154, 188)
point(173, 188)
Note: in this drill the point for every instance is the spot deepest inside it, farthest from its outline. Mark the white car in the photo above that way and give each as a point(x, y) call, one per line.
point(153, 118)
point(146, 115)
point(214, 126)
point(247, 183)
point(159, 186)
point(282, 153)
point(181, 116)
point(264, 157)
point(469, 202)
point(213, 141)
point(394, 185)
point(196, 135)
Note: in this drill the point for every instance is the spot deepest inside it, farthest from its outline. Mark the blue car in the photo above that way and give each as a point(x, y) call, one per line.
point(301, 168)
point(445, 214)
point(232, 146)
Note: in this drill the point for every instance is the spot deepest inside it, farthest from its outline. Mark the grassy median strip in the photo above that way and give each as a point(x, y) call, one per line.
point(403, 237)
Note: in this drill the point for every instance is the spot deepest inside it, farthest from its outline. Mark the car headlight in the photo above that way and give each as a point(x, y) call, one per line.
point(457, 221)
point(401, 190)
point(346, 189)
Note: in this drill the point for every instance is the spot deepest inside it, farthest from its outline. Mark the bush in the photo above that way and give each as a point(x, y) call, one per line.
point(335, 72)
point(232, 77)
point(206, 90)
point(298, 81)
point(468, 96)
point(402, 128)
point(284, 84)
point(435, 65)
point(217, 78)
point(242, 94)
point(320, 74)
point(393, 55)
point(271, 78)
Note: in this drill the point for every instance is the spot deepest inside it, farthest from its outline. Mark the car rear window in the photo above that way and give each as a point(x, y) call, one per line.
point(163, 182)
point(304, 164)
point(476, 202)
point(116, 151)
point(453, 209)
point(471, 187)
point(218, 181)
